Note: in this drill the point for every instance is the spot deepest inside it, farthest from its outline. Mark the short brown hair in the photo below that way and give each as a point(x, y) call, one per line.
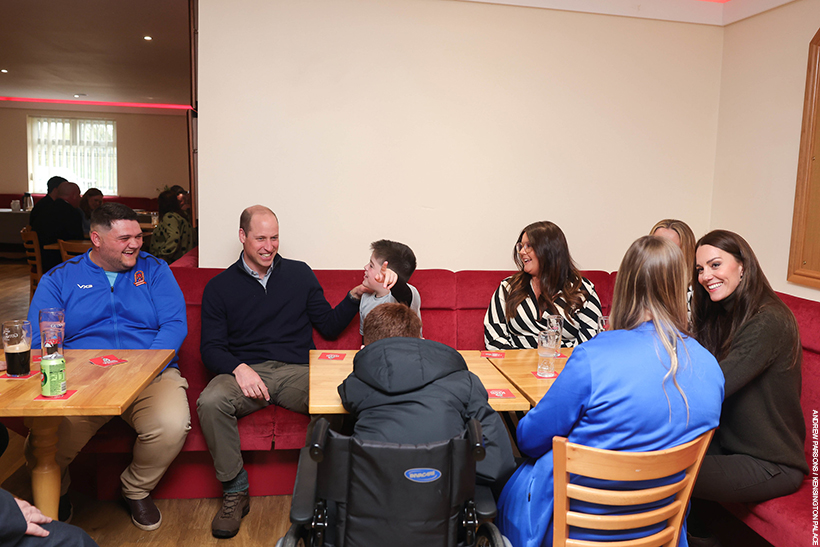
point(390, 321)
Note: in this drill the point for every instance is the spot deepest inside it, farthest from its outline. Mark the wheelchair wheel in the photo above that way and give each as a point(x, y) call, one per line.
point(489, 536)
point(296, 537)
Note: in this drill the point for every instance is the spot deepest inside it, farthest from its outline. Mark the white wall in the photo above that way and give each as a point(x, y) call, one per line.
point(450, 126)
point(761, 108)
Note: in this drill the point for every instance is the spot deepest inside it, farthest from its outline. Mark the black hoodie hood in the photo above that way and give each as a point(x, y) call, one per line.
point(401, 365)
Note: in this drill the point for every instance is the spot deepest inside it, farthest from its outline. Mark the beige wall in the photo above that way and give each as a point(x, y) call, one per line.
point(450, 126)
point(152, 150)
point(761, 108)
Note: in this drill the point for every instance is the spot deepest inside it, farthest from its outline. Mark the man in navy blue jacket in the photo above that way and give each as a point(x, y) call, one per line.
point(257, 319)
point(116, 297)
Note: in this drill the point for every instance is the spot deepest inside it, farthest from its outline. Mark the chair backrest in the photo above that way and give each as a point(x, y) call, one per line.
point(32, 245)
point(666, 503)
point(395, 494)
point(70, 249)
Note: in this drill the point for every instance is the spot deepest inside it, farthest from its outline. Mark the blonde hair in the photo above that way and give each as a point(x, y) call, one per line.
point(653, 278)
point(687, 239)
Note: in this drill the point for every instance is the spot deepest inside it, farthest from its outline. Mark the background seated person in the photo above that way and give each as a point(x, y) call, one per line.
point(174, 236)
point(679, 233)
point(645, 385)
point(60, 220)
point(46, 201)
point(404, 389)
point(547, 283)
point(92, 199)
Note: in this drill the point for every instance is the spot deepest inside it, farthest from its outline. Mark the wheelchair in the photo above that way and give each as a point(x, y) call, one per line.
point(351, 492)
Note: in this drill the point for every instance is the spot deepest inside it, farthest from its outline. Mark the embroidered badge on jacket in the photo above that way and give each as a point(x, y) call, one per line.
point(139, 278)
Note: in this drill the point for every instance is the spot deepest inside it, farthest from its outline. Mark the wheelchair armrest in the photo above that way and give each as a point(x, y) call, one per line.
point(476, 439)
point(304, 490)
point(484, 503)
point(317, 441)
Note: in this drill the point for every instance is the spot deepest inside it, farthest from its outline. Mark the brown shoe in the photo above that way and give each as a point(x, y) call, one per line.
point(144, 514)
point(234, 508)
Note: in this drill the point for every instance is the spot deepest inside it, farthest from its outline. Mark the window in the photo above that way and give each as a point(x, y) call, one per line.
point(83, 151)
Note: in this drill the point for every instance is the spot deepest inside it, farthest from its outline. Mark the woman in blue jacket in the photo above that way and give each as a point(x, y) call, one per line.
point(645, 385)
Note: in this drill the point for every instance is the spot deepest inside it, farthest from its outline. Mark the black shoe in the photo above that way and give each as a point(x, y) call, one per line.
point(144, 514)
point(65, 511)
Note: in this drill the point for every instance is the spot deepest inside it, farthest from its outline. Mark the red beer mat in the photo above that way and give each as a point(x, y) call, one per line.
point(63, 397)
point(553, 375)
point(496, 354)
point(36, 358)
point(27, 376)
point(332, 356)
point(107, 361)
point(500, 394)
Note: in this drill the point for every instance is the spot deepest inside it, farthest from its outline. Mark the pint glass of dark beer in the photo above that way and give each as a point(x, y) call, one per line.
point(17, 347)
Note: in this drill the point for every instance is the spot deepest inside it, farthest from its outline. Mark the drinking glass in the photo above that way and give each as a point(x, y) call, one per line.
point(17, 346)
point(548, 343)
point(603, 323)
point(52, 332)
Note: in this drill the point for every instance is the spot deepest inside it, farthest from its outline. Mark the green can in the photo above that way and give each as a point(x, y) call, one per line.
point(52, 377)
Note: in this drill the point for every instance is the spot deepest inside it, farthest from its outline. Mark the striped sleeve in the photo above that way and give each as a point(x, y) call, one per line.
point(496, 333)
point(583, 324)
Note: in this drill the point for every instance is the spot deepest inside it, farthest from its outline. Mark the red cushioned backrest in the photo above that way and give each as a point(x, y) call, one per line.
point(807, 313)
point(604, 287)
point(436, 289)
point(192, 281)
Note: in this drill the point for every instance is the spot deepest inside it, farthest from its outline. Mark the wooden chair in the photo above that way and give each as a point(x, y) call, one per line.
point(70, 249)
point(35, 261)
point(624, 466)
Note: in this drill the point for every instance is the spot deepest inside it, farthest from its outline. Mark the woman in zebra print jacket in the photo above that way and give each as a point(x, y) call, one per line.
point(515, 315)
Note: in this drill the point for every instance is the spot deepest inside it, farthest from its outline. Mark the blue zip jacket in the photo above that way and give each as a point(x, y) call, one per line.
point(143, 310)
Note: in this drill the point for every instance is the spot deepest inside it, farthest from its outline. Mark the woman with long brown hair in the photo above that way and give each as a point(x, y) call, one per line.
point(547, 283)
point(643, 385)
point(757, 454)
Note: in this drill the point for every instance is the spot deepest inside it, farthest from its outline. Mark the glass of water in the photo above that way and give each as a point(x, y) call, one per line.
point(549, 343)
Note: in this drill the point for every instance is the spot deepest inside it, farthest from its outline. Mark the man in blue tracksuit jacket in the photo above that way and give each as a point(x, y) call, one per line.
point(116, 297)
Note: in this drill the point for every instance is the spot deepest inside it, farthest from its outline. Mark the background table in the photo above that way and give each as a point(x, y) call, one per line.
point(56, 246)
point(327, 374)
point(518, 366)
point(101, 391)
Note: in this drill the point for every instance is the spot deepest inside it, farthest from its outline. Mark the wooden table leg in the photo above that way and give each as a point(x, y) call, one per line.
point(45, 477)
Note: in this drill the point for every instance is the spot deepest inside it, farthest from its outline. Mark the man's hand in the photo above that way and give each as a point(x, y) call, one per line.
point(33, 518)
point(357, 292)
point(251, 384)
point(2, 365)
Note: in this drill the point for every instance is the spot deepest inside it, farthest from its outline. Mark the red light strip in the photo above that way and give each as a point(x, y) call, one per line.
point(100, 103)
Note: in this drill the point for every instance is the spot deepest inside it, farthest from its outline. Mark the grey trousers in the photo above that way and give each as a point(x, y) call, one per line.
point(222, 402)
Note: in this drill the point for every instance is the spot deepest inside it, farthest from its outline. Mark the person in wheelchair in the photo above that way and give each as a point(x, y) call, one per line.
point(404, 389)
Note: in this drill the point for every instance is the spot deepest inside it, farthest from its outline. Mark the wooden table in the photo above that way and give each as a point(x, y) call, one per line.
point(518, 366)
point(327, 374)
point(101, 391)
point(56, 246)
